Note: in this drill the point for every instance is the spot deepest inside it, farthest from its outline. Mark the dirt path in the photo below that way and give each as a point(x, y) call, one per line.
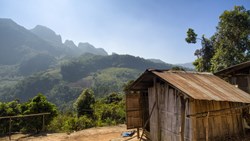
point(111, 133)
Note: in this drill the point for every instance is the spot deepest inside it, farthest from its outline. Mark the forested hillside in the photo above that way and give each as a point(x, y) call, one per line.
point(63, 84)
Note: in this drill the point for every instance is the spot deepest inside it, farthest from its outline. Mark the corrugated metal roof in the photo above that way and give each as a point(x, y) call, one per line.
point(232, 69)
point(202, 86)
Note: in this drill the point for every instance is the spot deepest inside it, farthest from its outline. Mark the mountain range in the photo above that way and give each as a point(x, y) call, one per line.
point(19, 44)
point(37, 61)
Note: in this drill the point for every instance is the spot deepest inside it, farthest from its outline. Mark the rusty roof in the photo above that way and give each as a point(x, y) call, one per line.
point(202, 86)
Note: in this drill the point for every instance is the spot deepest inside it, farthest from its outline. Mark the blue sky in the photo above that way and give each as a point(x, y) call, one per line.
point(145, 28)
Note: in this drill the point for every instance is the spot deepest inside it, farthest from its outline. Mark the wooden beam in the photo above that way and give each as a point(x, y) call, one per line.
point(20, 116)
point(217, 111)
point(143, 129)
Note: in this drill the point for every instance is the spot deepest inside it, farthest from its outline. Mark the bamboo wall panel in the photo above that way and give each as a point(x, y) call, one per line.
point(222, 125)
point(170, 113)
point(133, 110)
point(153, 120)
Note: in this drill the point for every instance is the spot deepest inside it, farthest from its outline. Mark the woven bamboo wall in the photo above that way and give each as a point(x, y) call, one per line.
point(221, 125)
point(168, 125)
point(133, 111)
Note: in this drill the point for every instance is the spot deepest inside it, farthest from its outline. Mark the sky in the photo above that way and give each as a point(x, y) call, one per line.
point(145, 28)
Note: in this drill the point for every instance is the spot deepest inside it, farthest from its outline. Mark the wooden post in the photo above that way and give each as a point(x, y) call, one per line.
point(158, 110)
point(43, 123)
point(242, 122)
point(194, 120)
point(207, 128)
point(10, 129)
point(183, 108)
point(138, 133)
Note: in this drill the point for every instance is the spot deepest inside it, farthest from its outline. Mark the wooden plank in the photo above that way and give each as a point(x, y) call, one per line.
point(188, 121)
point(157, 95)
point(193, 125)
point(207, 127)
point(153, 119)
point(183, 106)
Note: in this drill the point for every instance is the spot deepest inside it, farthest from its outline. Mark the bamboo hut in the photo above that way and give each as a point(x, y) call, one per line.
point(190, 106)
point(238, 75)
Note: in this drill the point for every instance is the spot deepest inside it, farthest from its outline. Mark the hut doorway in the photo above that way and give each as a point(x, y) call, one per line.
point(145, 111)
point(137, 108)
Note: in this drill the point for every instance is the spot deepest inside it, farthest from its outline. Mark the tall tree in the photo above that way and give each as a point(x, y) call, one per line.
point(230, 44)
point(233, 42)
point(83, 104)
point(38, 104)
point(205, 54)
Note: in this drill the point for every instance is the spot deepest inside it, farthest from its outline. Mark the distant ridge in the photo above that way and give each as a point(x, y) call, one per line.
point(47, 34)
point(187, 65)
point(18, 44)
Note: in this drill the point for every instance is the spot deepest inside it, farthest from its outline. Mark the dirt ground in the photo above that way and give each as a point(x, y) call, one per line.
point(111, 133)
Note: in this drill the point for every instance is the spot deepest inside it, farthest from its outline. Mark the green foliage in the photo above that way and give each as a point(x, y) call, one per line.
point(58, 123)
point(205, 54)
point(233, 43)
point(83, 104)
point(191, 36)
point(36, 63)
point(230, 44)
point(78, 69)
point(76, 124)
point(127, 85)
point(29, 87)
point(38, 104)
point(103, 74)
point(63, 96)
point(112, 80)
point(9, 109)
point(178, 68)
point(110, 110)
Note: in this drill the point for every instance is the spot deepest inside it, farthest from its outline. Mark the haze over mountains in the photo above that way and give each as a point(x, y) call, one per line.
point(36, 60)
point(19, 44)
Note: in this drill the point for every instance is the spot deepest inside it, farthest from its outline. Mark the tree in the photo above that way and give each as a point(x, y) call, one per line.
point(83, 104)
point(205, 54)
point(110, 110)
point(9, 109)
point(38, 104)
point(230, 44)
point(177, 68)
